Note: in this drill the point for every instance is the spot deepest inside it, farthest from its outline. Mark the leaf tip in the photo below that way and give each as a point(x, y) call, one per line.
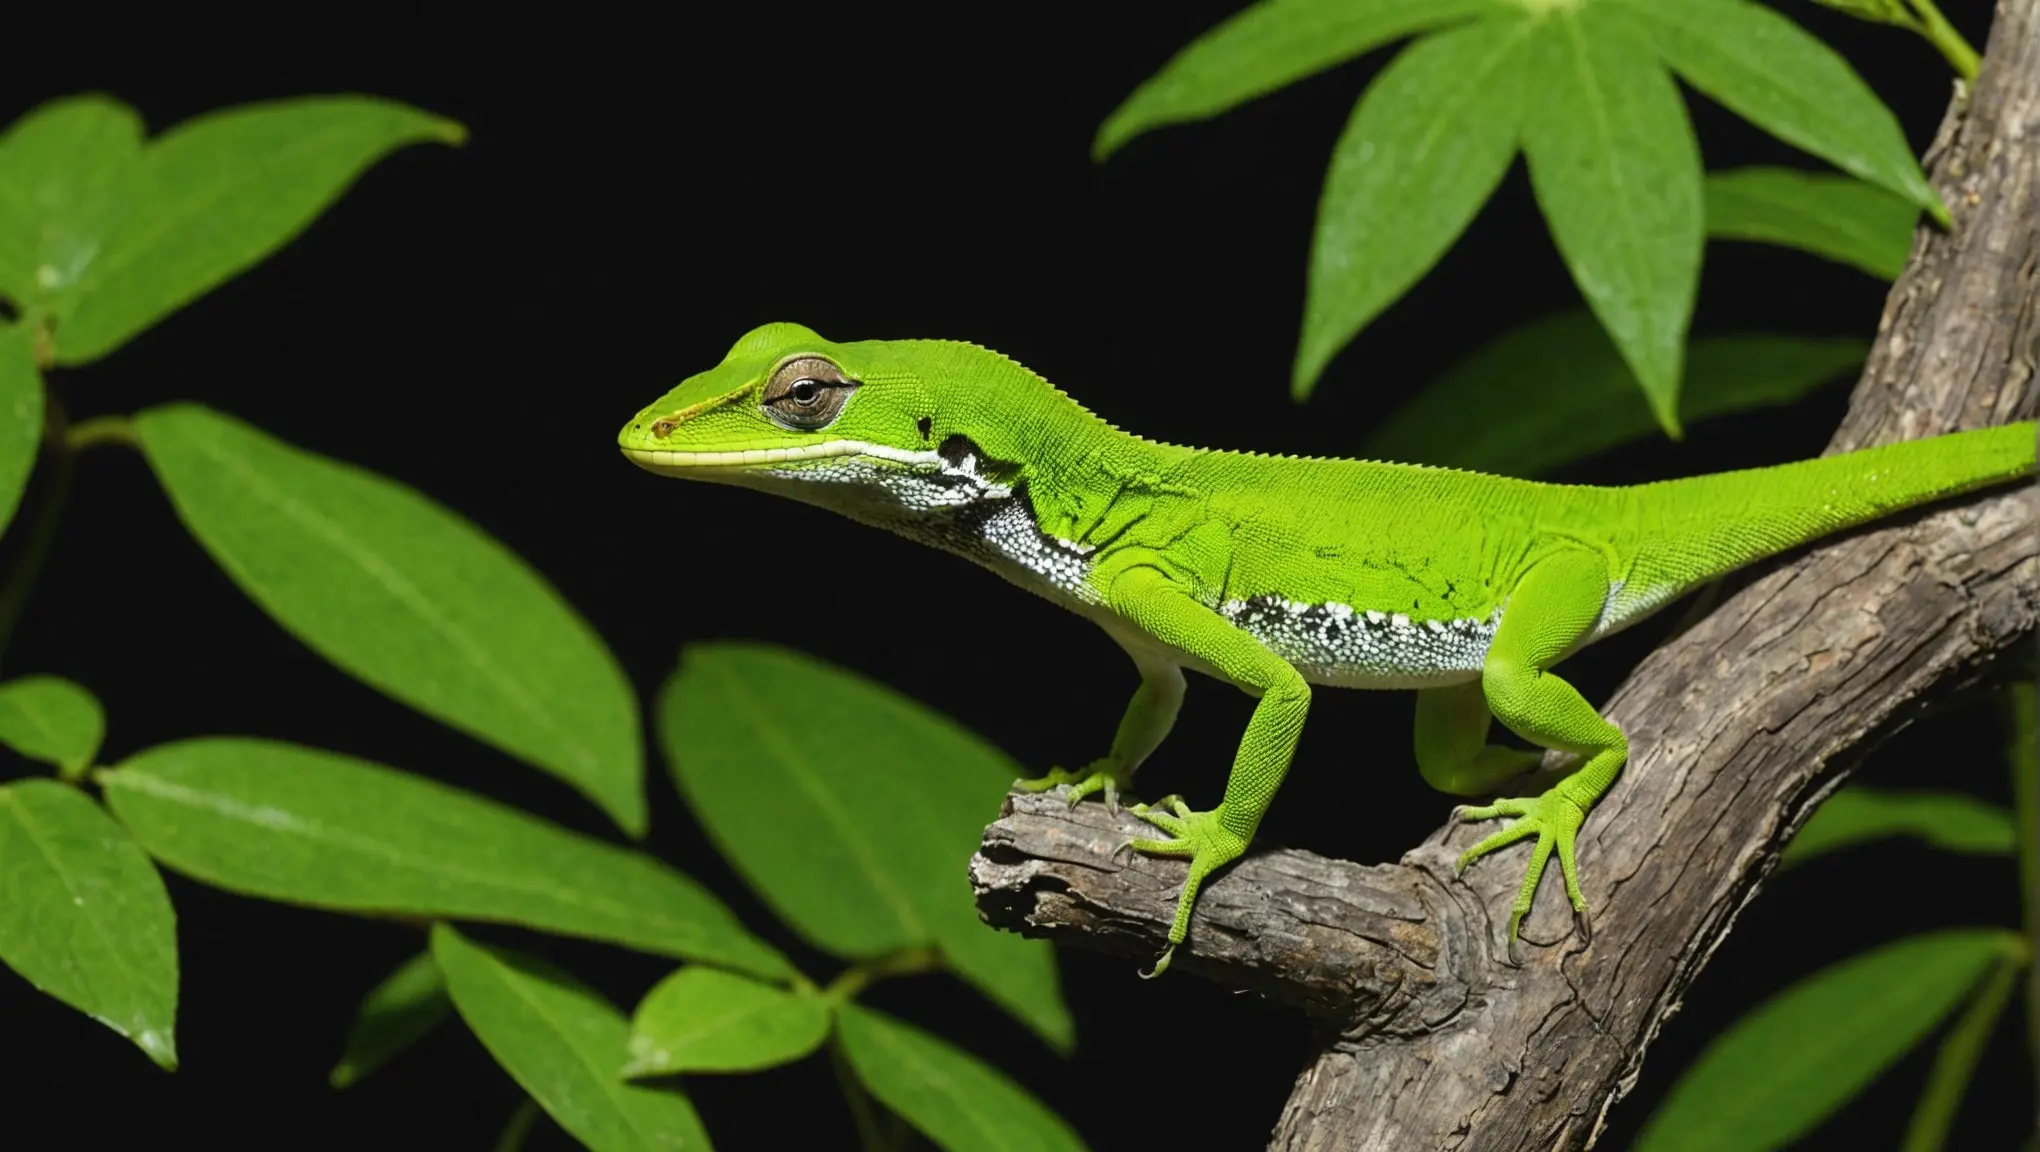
point(1938, 209)
point(159, 1046)
point(1303, 377)
point(627, 809)
point(342, 1076)
point(449, 132)
point(1109, 140)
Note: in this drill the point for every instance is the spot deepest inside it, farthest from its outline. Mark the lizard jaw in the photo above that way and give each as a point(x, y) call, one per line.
point(674, 462)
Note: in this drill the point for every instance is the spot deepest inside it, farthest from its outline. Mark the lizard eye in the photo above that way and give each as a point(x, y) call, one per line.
point(806, 394)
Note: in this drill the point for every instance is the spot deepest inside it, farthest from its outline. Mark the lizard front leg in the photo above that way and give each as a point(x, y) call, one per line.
point(1149, 717)
point(1552, 607)
point(1210, 840)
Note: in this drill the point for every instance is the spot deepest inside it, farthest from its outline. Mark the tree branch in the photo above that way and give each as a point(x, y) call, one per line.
point(1740, 726)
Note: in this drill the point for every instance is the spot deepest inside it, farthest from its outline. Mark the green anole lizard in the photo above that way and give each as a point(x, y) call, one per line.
point(1276, 573)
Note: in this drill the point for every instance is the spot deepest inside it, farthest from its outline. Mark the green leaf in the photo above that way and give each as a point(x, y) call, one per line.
point(219, 192)
point(852, 812)
point(1617, 174)
point(1268, 46)
point(61, 170)
point(1955, 1062)
point(52, 720)
point(1771, 72)
point(1837, 217)
point(1799, 1055)
point(1425, 148)
point(86, 918)
point(318, 828)
point(1876, 11)
point(702, 1020)
point(562, 1043)
point(1949, 821)
point(408, 596)
point(1554, 391)
point(397, 1013)
point(948, 1095)
point(21, 416)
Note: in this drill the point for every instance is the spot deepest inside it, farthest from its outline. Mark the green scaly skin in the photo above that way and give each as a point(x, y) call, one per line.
point(1276, 573)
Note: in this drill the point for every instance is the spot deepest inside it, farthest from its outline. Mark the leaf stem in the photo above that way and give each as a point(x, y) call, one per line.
point(1955, 1062)
point(1943, 36)
point(905, 962)
point(863, 1110)
point(42, 528)
point(518, 1126)
point(2022, 720)
point(101, 430)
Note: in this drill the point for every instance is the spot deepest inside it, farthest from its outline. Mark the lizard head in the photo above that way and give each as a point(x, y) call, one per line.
point(879, 429)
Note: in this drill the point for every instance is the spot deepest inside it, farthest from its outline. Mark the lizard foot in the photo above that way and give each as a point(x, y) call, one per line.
point(1554, 818)
point(1074, 785)
point(1203, 839)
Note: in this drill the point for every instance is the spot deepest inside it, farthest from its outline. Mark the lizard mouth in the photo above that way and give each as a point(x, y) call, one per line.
point(669, 461)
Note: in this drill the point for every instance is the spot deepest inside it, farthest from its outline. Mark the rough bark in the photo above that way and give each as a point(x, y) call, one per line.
point(1739, 725)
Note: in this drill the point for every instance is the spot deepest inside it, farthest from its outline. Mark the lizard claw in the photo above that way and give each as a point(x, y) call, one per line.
point(1552, 820)
point(1075, 784)
point(1161, 964)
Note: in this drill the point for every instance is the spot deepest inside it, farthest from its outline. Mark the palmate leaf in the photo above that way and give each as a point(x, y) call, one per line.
point(1267, 46)
point(1771, 72)
point(1781, 1069)
point(562, 1043)
point(948, 1095)
point(21, 416)
point(85, 917)
point(851, 810)
point(329, 831)
point(1424, 149)
point(1836, 217)
point(52, 720)
point(1555, 391)
point(702, 1020)
point(1616, 171)
point(407, 596)
point(1612, 155)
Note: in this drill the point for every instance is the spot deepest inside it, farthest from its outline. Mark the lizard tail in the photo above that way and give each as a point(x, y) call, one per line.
point(1705, 526)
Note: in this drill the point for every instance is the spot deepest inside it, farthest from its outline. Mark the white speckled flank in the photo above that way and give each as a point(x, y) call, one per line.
point(1346, 647)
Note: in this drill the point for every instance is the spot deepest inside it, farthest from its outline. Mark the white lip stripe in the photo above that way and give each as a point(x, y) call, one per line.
point(668, 458)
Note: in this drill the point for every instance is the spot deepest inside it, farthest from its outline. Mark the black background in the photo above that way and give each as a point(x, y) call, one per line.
point(643, 185)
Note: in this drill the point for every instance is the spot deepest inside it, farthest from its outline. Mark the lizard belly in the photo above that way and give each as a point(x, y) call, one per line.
point(1340, 646)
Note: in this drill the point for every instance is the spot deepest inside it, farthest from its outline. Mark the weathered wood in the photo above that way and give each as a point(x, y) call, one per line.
point(1739, 726)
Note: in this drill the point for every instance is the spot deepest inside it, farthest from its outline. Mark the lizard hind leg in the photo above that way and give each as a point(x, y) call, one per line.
point(1451, 743)
point(1553, 606)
